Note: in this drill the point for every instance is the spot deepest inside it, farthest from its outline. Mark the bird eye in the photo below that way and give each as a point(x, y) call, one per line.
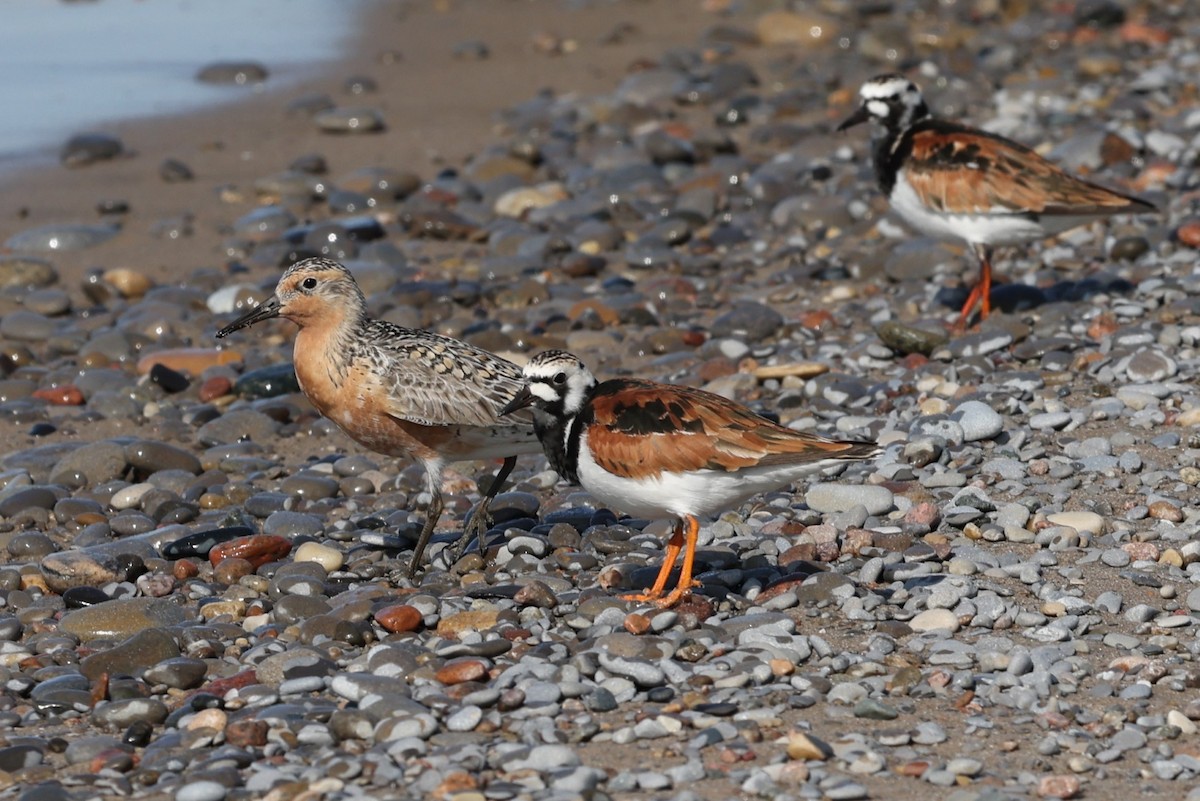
point(560, 379)
point(309, 283)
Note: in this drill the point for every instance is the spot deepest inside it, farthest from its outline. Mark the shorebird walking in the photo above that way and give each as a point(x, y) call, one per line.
point(398, 391)
point(655, 450)
point(954, 182)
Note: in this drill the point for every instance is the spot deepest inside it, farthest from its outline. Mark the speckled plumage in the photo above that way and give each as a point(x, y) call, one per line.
point(955, 182)
point(399, 391)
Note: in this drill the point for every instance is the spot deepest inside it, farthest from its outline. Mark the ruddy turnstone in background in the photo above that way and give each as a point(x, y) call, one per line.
point(954, 182)
point(398, 391)
point(654, 449)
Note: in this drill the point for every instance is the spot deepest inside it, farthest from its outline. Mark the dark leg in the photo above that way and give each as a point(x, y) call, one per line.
point(431, 517)
point(481, 519)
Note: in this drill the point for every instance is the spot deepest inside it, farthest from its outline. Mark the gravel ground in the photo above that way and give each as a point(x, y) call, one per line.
point(204, 592)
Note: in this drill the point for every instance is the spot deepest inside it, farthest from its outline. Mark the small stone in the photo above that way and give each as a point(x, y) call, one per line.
point(399, 618)
point(258, 550)
point(326, 556)
point(1165, 510)
point(460, 671)
point(934, 619)
point(807, 747)
point(1089, 522)
point(473, 620)
point(1058, 787)
point(833, 498)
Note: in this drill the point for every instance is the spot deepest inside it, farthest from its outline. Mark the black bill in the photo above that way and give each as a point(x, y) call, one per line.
point(521, 400)
point(857, 118)
point(265, 311)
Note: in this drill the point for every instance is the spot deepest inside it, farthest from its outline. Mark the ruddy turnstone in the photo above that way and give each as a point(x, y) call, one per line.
point(398, 391)
point(654, 450)
point(954, 182)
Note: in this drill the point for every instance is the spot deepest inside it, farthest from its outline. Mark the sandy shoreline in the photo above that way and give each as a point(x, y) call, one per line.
point(439, 108)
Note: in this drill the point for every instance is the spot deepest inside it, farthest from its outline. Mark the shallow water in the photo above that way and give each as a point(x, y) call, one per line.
point(69, 67)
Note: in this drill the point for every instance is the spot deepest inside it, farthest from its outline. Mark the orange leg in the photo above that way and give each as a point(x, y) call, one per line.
point(981, 293)
point(674, 545)
point(684, 540)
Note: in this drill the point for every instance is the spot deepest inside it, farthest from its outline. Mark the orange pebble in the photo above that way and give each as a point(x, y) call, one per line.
point(257, 549)
point(65, 395)
point(1189, 233)
point(188, 360)
point(458, 672)
point(399, 617)
point(215, 387)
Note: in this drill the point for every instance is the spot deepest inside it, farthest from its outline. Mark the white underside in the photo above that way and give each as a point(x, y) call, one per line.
point(704, 493)
point(999, 227)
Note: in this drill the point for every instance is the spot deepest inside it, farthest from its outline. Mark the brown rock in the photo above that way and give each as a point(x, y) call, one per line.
point(231, 570)
point(193, 361)
point(120, 759)
point(817, 320)
point(1102, 326)
point(185, 569)
point(242, 733)
point(712, 369)
point(857, 539)
point(1165, 510)
point(791, 369)
point(1058, 787)
point(65, 395)
point(1188, 233)
point(461, 670)
point(215, 387)
point(1115, 150)
point(473, 620)
point(129, 283)
point(923, 514)
point(536, 593)
point(789, 28)
point(1141, 551)
point(637, 623)
point(1138, 32)
point(257, 550)
point(916, 768)
point(399, 618)
point(590, 306)
point(800, 552)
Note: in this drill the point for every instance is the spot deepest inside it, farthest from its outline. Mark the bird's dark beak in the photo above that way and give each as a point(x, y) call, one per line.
point(857, 118)
point(521, 400)
point(265, 311)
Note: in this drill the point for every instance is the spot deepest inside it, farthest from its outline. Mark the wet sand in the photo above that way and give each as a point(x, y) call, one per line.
point(440, 108)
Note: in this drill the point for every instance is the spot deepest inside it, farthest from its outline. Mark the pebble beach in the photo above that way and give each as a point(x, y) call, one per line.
point(203, 589)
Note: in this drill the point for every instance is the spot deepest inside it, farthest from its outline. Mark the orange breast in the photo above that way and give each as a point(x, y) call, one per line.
point(355, 400)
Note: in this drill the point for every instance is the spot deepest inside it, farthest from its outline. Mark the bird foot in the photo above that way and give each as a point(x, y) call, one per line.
point(661, 601)
point(476, 527)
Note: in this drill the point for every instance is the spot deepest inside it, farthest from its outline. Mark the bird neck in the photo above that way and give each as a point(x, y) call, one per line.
point(335, 338)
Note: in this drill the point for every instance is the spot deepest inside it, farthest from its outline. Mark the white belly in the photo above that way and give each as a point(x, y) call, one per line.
point(704, 493)
point(998, 228)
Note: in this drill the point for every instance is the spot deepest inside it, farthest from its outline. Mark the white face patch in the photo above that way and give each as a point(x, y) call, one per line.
point(887, 88)
point(878, 108)
point(543, 392)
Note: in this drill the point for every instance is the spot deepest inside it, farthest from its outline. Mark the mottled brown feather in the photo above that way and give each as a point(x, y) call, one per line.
point(641, 429)
point(966, 171)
